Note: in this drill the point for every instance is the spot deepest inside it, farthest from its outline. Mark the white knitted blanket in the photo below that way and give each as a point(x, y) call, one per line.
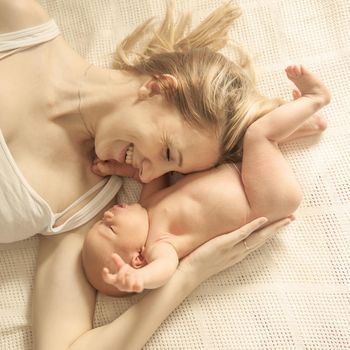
point(294, 292)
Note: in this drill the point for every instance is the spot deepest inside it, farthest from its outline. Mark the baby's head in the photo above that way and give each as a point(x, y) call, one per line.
point(123, 230)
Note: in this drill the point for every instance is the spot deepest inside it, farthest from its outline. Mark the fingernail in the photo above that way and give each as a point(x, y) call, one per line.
point(262, 221)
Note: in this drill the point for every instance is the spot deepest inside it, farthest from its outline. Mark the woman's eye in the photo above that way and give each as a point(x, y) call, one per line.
point(168, 156)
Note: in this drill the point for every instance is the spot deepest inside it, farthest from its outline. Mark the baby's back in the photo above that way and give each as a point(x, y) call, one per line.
point(199, 207)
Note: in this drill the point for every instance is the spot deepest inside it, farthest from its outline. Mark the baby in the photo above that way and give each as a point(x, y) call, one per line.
point(138, 246)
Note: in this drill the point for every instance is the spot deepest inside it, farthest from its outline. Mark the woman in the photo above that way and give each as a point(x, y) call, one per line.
point(68, 112)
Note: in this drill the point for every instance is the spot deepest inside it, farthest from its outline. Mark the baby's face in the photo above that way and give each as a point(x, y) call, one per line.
point(123, 230)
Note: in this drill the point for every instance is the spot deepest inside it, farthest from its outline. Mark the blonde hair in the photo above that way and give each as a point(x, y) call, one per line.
point(213, 92)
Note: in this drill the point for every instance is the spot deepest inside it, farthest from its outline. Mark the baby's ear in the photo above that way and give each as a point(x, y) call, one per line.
point(138, 260)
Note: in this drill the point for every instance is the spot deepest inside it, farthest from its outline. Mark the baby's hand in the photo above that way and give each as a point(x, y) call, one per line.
point(309, 84)
point(112, 167)
point(126, 278)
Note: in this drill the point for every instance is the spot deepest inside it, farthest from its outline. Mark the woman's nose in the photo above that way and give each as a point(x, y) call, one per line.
point(150, 171)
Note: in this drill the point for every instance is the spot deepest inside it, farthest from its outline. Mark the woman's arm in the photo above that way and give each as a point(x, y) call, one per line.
point(64, 302)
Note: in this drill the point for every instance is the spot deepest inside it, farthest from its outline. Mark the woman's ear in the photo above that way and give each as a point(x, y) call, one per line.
point(153, 86)
point(138, 260)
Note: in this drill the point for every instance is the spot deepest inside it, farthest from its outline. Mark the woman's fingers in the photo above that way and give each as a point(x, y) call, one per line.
point(259, 238)
point(228, 249)
point(234, 237)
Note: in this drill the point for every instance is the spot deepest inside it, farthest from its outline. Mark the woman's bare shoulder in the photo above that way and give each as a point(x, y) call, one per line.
point(19, 14)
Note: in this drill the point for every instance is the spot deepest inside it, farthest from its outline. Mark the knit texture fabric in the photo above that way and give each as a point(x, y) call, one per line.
point(293, 293)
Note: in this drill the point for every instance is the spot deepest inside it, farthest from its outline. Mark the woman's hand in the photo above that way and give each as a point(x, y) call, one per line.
point(228, 249)
point(112, 167)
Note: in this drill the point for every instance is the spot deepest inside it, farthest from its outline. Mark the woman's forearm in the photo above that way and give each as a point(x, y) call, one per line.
point(133, 328)
point(64, 303)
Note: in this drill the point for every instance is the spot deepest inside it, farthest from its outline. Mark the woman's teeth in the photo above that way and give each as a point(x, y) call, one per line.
point(129, 155)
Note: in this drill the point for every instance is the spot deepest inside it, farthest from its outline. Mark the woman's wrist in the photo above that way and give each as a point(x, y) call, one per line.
point(190, 274)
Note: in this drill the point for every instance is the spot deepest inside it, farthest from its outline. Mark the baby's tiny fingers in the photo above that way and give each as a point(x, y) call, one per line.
point(107, 276)
point(106, 272)
point(118, 261)
point(137, 287)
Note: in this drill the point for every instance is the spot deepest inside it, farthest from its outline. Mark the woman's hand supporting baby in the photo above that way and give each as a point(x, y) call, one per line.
point(212, 257)
point(228, 249)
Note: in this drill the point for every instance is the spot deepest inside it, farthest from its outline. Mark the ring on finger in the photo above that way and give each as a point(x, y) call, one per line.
point(246, 245)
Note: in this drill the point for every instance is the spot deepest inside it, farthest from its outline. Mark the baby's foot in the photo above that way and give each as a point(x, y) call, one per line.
point(308, 84)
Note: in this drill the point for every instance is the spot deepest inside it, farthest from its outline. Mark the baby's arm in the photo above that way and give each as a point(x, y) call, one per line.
point(269, 183)
point(162, 263)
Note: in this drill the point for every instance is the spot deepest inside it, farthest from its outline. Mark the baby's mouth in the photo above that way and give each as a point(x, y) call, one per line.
point(129, 155)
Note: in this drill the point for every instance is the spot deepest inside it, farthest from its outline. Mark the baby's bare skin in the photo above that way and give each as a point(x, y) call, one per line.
point(260, 194)
point(308, 84)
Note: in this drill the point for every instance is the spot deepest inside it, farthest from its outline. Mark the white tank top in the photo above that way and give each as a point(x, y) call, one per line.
point(23, 212)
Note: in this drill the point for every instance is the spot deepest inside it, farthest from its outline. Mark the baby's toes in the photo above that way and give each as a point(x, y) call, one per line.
point(320, 122)
point(290, 71)
point(293, 71)
point(296, 94)
point(137, 287)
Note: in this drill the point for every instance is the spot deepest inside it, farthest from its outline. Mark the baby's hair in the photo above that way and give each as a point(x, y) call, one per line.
point(214, 93)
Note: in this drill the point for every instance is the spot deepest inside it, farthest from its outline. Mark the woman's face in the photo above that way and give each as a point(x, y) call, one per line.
point(159, 140)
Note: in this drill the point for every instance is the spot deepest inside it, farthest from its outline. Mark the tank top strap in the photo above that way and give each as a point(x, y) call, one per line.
point(23, 39)
point(82, 198)
point(110, 188)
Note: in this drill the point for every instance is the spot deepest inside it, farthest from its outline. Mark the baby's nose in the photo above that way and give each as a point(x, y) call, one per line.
point(108, 215)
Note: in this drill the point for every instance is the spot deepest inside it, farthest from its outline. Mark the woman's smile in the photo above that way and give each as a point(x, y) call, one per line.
point(129, 155)
point(123, 154)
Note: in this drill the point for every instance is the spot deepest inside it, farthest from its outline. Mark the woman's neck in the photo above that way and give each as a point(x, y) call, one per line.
point(83, 94)
point(103, 91)
point(67, 73)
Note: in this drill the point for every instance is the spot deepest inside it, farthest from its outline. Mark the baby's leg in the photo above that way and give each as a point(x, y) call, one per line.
point(308, 84)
